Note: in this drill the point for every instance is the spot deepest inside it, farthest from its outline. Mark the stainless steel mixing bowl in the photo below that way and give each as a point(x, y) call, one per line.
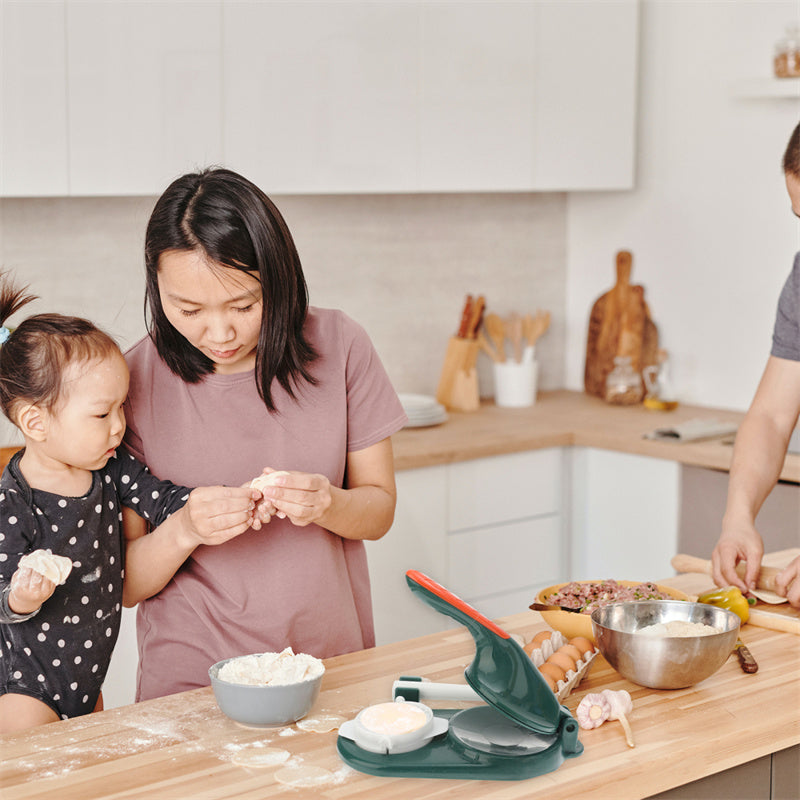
point(672, 662)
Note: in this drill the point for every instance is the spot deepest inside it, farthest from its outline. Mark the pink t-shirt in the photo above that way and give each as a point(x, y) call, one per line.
point(283, 585)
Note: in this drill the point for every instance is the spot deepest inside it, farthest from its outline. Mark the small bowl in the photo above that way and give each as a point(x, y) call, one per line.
point(264, 706)
point(672, 662)
point(573, 624)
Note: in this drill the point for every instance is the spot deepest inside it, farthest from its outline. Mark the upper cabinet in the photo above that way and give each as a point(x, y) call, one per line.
point(143, 93)
point(102, 98)
point(33, 100)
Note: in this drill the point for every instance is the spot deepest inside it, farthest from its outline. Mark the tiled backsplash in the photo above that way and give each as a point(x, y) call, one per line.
point(400, 265)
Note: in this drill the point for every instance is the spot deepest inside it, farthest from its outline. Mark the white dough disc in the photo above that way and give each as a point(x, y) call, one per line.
point(769, 597)
point(260, 757)
point(320, 724)
point(303, 776)
point(54, 568)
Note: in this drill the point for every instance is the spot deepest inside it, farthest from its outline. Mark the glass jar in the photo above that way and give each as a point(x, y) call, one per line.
point(623, 383)
point(787, 55)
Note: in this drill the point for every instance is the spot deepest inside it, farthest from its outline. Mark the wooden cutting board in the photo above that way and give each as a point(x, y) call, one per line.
point(619, 325)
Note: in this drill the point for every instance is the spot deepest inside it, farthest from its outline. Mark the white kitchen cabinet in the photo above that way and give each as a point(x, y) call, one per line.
point(33, 102)
point(625, 515)
point(528, 95)
point(118, 98)
point(144, 101)
point(417, 540)
point(490, 530)
point(321, 97)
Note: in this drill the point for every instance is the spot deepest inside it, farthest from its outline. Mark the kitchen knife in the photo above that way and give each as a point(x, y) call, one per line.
point(685, 563)
point(746, 660)
point(545, 607)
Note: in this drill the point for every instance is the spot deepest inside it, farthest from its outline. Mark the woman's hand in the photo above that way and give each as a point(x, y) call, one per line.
point(787, 583)
point(215, 514)
point(300, 497)
point(29, 589)
point(738, 542)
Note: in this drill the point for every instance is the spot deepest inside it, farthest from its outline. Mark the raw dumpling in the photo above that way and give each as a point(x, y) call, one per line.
point(54, 568)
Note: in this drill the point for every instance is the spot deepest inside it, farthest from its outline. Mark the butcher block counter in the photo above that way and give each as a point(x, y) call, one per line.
point(182, 747)
point(563, 418)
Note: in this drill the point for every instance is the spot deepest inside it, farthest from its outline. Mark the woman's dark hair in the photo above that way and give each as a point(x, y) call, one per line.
point(791, 156)
point(37, 352)
point(229, 220)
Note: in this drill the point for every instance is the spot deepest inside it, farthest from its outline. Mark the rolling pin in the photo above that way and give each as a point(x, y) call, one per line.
point(772, 620)
point(684, 563)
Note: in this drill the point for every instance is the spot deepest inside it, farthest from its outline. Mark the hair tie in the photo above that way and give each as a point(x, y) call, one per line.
point(4, 334)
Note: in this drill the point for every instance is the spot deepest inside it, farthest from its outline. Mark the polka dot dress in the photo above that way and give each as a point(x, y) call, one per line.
point(61, 654)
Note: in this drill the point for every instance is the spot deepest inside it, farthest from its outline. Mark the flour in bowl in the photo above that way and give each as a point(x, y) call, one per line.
point(678, 627)
point(272, 669)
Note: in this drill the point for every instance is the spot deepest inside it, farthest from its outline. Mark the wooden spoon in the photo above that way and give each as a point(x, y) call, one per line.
point(496, 329)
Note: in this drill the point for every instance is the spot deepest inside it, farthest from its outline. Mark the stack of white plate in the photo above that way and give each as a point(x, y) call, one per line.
point(422, 410)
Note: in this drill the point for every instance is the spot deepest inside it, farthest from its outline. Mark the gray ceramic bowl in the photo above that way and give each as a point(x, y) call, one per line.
point(663, 663)
point(264, 706)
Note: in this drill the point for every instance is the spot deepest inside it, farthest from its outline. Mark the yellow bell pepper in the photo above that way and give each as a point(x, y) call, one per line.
point(731, 598)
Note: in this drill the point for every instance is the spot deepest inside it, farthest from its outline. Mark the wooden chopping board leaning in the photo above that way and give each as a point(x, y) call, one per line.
point(619, 325)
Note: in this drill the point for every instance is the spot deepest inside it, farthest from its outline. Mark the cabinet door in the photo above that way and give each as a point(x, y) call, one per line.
point(489, 491)
point(625, 511)
point(476, 96)
point(321, 97)
point(33, 99)
point(144, 93)
point(585, 95)
point(417, 540)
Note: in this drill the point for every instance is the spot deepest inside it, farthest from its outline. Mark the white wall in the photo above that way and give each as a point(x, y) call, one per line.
point(709, 222)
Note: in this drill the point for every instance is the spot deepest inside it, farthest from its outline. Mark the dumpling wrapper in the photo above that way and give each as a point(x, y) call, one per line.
point(262, 481)
point(54, 568)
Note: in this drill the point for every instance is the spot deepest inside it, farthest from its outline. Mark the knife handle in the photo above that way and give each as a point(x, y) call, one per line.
point(746, 660)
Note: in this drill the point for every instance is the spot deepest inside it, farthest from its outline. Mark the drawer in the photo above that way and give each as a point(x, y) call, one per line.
point(501, 558)
point(504, 488)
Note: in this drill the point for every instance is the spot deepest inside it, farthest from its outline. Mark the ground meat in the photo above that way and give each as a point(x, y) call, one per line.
point(589, 595)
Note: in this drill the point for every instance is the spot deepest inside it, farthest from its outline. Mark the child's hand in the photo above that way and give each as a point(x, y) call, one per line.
point(214, 514)
point(29, 589)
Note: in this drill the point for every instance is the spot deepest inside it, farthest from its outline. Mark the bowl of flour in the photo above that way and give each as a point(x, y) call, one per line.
point(265, 690)
point(665, 644)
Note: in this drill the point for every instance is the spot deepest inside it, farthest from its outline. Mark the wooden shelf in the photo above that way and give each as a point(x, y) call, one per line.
point(769, 88)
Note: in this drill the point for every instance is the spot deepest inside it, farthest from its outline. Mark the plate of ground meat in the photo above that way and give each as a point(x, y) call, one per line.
point(586, 596)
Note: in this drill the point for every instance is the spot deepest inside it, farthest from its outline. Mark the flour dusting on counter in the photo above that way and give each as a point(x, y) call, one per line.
point(271, 669)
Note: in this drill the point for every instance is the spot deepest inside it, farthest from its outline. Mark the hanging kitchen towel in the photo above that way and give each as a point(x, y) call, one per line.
point(693, 430)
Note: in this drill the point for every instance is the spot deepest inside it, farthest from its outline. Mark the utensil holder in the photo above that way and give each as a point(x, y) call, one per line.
point(515, 383)
point(458, 383)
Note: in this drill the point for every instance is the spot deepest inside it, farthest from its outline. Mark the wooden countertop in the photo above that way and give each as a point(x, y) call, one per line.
point(561, 419)
point(182, 747)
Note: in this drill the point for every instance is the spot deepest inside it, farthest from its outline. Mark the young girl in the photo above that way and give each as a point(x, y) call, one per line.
point(63, 383)
point(240, 372)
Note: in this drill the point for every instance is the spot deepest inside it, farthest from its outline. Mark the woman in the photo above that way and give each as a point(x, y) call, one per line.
point(240, 374)
point(763, 436)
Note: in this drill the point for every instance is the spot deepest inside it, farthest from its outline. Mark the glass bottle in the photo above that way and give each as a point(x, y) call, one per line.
point(623, 383)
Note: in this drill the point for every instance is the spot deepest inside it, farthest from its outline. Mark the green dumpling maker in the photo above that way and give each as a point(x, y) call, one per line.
point(519, 731)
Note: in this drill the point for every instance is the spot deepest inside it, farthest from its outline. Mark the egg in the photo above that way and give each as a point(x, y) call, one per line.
point(540, 638)
point(583, 644)
point(553, 670)
point(573, 652)
point(550, 682)
point(562, 660)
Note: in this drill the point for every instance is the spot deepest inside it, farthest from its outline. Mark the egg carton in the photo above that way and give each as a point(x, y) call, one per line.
point(574, 677)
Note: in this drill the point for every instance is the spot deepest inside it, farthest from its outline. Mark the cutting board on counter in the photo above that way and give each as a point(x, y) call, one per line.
point(619, 325)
